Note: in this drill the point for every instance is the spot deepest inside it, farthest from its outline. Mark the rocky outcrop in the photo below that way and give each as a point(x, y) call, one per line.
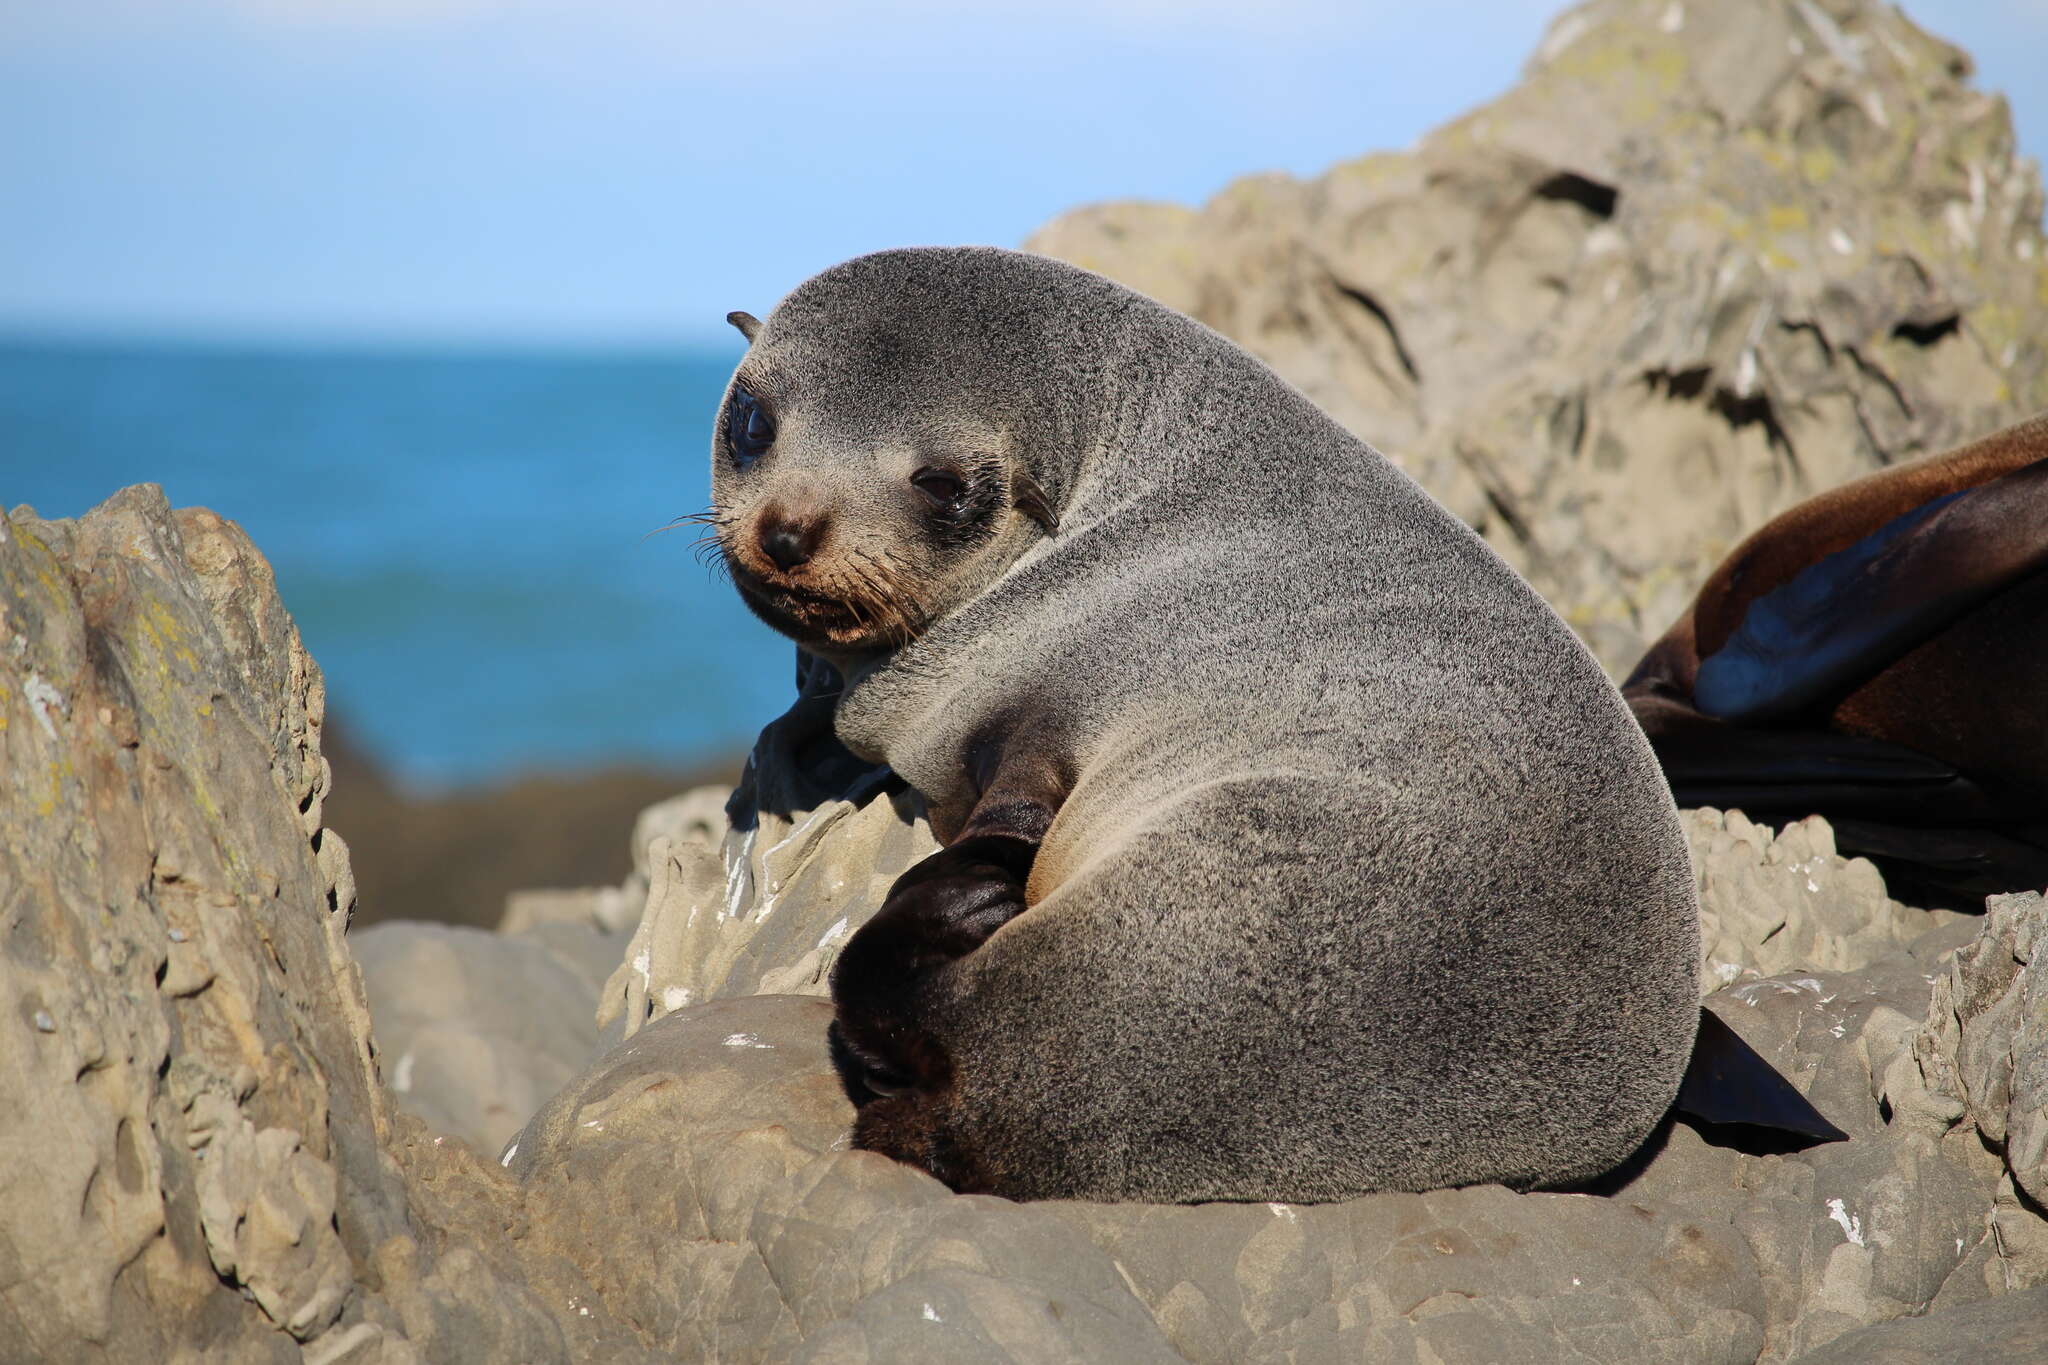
point(1704, 261)
point(204, 1159)
point(1783, 900)
point(199, 1157)
point(1985, 1053)
point(762, 902)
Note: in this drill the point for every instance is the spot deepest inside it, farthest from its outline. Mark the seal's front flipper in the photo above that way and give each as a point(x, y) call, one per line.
point(1842, 619)
point(939, 911)
point(1728, 1084)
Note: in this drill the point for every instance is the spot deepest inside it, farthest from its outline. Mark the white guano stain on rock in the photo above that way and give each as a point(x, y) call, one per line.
point(42, 699)
point(675, 997)
point(1852, 1226)
point(1750, 993)
point(746, 1040)
point(931, 1314)
point(1568, 31)
point(736, 874)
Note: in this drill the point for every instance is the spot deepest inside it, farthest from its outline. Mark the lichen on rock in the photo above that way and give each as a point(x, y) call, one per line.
point(1703, 262)
point(197, 1145)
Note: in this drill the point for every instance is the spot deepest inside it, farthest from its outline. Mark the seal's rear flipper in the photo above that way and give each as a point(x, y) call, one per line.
point(1727, 1084)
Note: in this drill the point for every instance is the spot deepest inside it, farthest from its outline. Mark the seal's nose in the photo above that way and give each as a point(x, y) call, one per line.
point(790, 544)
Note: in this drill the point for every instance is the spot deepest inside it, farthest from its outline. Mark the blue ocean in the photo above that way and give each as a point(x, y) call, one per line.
point(463, 537)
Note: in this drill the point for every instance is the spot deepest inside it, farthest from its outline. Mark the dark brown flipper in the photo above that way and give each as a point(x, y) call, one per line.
point(939, 911)
point(894, 1065)
point(895, 1069)
point(1868, 656)
point(1847, 616)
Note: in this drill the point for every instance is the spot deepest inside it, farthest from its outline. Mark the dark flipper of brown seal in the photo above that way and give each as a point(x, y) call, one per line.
point(1867, 656)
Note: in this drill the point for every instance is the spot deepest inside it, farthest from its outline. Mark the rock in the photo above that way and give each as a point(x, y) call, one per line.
point(1704, 261)
point(1913, 1214)
point(1781, 900)
point(477, 1029)
point(197, 1143)
point(2014, 1328)
point(1985, 1050)
point(762, 904)
point(768, 1238)
point(773, 1234)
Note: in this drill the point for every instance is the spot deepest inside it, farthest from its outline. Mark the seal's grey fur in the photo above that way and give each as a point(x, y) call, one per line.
point(1364, 878)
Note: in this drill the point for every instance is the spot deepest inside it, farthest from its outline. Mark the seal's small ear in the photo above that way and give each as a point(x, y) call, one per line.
point(749, 325)
point(1030, 500)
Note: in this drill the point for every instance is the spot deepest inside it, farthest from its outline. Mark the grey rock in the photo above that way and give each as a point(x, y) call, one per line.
point(702, 1162)
point(1897, 1221)
point(200, 1146)
point(1704, 261)
point(1781, 900)
point(1985, 1052)
point(475, 1029)
point(2014, 1328)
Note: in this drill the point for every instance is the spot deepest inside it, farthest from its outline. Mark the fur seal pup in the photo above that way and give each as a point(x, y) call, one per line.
point(1874, 654)
point(1293, 847)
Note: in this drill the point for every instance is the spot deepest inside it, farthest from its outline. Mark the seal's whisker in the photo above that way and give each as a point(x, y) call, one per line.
point(882, 578)
point(709, 551)
point(710, 516)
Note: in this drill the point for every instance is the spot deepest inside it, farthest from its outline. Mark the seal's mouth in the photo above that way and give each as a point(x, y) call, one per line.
point(806, 605)
point(853, 616)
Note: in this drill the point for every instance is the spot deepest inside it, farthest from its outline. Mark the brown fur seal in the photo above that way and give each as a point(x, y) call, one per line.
point(1875, 655)
point(1294, 847)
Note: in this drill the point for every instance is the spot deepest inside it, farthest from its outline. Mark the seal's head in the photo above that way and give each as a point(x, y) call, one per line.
point(882, 455)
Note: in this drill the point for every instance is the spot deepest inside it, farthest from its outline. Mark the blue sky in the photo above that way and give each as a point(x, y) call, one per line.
point(625, 171)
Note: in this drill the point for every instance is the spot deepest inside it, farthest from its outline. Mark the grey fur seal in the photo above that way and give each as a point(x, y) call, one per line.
point(1873, 655)
point(1293, 847)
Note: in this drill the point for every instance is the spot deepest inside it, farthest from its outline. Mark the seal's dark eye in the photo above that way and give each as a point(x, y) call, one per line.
point(945, 490)
point(748, 429)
